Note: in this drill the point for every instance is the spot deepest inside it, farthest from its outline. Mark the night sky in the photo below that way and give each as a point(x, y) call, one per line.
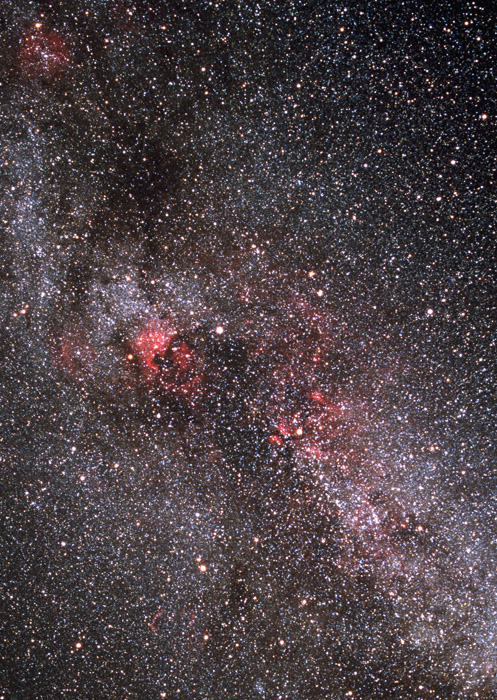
point(248, 304)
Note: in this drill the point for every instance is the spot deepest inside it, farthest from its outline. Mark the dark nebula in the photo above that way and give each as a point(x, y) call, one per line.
point(248, 320)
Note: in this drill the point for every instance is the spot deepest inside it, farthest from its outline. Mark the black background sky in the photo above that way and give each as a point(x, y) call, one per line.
point(248, 306)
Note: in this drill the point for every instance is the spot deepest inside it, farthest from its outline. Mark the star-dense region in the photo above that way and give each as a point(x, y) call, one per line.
point(249, 325)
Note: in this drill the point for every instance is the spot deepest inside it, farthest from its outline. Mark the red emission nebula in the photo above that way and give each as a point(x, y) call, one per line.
point(44, 53)
point(290, 396)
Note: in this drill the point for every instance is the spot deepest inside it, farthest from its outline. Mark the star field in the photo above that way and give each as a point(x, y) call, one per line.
point(248, 325)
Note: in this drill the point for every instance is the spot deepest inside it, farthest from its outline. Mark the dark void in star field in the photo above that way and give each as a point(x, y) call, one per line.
point(248, 322)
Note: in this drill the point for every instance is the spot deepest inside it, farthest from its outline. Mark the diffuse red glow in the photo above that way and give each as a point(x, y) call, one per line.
point(151, 346)
point(168, 364)
point(73, 353)
point(301, 402)
point(159, 360)
point(44, 53)
point(315, 414)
